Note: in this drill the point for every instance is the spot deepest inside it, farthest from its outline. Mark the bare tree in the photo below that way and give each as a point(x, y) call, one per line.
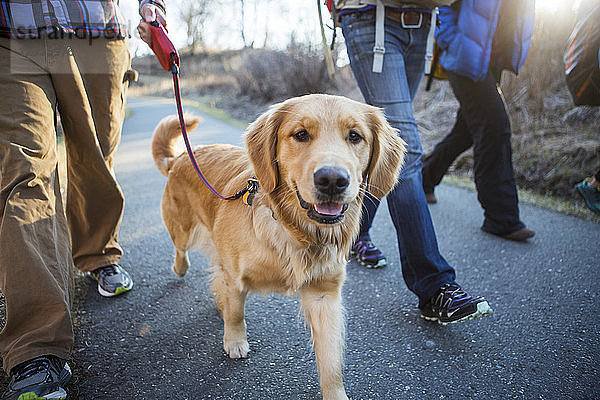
point(193, 14)
point(266, 4)
point(243, 23)
point(253, 8)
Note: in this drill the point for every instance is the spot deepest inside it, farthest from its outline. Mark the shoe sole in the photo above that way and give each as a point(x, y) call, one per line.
point(522, 237)
point(104, 293)
point(380, 264)
point(483, 309)
point(519, 237)
point(122, 289)
point(60, 394)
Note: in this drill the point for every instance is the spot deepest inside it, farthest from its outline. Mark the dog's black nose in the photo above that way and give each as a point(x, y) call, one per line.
point(331, 180)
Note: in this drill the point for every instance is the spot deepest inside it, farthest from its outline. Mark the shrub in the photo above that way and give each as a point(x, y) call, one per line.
point(274, 74)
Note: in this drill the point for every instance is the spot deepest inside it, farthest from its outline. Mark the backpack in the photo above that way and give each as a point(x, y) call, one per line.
point(582, 70)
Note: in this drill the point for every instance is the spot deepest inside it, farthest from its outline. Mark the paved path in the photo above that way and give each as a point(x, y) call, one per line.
point(163, 339)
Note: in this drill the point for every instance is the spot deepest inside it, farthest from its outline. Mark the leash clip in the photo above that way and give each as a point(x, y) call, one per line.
point(250, 191)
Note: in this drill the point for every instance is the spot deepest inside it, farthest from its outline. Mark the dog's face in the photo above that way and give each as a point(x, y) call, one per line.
point(322, 150)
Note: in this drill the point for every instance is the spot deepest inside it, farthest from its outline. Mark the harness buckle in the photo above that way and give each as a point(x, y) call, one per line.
point(379, 49)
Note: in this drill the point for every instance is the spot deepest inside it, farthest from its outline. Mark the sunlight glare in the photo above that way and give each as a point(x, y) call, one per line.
point(549, 6)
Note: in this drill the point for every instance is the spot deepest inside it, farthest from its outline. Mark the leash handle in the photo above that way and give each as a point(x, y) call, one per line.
point(163, 47)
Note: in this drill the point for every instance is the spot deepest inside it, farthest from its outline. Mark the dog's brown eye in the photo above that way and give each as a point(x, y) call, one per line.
point(302, 136)
point(354, 137)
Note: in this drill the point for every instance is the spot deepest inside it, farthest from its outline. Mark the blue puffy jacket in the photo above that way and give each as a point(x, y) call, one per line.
point(475, 35)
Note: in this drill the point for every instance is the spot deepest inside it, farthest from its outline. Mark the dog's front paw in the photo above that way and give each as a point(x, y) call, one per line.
point(181, 264)
point(236, 348)
point(339, 394)
point(179, 270)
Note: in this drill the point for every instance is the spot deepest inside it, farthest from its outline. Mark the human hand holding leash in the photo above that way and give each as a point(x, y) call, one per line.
point(150, 13)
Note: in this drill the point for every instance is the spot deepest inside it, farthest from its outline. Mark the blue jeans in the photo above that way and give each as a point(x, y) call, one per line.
point(423, 267)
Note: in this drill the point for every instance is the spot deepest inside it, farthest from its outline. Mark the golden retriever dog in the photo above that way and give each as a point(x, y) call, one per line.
point(314, 157)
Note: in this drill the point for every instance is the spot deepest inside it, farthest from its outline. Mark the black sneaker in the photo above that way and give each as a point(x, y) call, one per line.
point(112, 280)
point(452, 304)
point(40, 378)
point(368, 254)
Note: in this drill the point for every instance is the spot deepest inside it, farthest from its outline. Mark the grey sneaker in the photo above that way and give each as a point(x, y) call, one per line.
point(40, 378)
point(112, 280)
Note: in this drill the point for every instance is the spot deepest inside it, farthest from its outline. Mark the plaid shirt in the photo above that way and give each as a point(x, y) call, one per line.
point(75, 18)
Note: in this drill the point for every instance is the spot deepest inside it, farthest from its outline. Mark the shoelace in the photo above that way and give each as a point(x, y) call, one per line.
point(364, 245)
point(37, 365)
point(454, 292)
point(108, 270)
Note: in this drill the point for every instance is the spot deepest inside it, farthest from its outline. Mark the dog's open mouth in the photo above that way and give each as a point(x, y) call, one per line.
point(323, 213)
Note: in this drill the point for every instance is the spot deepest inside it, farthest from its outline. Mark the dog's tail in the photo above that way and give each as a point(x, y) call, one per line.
point(165, 136)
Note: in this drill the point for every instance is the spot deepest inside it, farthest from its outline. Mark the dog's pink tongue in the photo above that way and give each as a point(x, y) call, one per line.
point(328, 208)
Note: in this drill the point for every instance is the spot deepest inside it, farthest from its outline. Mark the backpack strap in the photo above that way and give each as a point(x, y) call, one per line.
point(326, 49)
point(429, 48)
point(379, 48)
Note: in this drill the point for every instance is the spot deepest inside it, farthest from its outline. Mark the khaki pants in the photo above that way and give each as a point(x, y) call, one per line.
point(40, 239)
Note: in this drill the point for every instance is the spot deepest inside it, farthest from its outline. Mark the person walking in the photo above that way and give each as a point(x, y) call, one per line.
point(479, 39)
point(589, 190)
point(386, 45)
point(68, 58)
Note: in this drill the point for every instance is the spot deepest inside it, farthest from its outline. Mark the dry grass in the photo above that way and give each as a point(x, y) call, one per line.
point(272, 75)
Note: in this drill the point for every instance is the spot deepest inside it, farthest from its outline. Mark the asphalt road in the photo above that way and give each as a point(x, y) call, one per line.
point(163, 339)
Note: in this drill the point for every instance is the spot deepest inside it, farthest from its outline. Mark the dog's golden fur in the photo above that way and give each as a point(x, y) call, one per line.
point(275, 244)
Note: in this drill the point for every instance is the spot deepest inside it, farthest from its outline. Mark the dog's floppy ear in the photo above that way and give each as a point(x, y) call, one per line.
point(387, 154)
point(261, 143)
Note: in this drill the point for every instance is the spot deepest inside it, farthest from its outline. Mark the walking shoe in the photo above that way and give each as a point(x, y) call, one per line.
point(452, 304)
point(519, 235)
point(368, 254)
point(591, 194)
point(40, 378)
point(430, 197)
point(112, 280)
